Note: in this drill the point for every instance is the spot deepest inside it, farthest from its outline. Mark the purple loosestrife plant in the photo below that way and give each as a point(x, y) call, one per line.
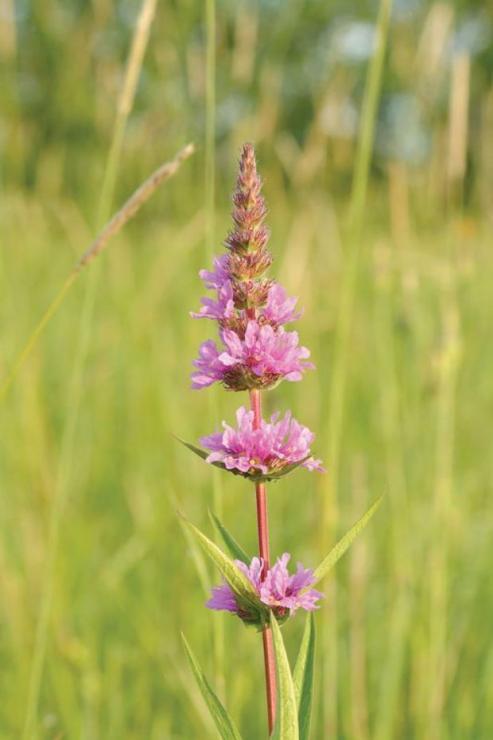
point(255, 352)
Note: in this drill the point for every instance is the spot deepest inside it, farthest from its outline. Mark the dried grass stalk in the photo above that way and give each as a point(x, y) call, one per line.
point(128, 210)
point(132, 205)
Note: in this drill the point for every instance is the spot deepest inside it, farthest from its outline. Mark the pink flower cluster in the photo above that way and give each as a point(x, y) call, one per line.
point(255, 350)
point(276, 588)
point(271, 448)
point(277, 310)
point(261, 358)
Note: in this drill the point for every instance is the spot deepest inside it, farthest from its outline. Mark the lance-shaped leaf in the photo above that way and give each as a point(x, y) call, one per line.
point(198, 558)
point(286, 726)
point(225, 725)
point(338, 551)
point(303, 677)
point(235, 550)
point(197, 450)
point(240, 584)
point(254, 477)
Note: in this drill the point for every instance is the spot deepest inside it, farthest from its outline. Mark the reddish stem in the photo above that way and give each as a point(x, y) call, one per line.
point(263, 541)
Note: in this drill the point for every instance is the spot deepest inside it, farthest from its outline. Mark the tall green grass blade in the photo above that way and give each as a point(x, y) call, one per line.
point(225, 725)
point(369, 115)
point(338, 551)
point(210, 246)
point(286, 727)
point(341, 351)
point(303, 677)
point(235, 550)
point(210, 122)
point(231, 573)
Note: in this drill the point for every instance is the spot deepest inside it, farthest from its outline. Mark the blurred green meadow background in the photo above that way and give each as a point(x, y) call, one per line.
point(377, 157)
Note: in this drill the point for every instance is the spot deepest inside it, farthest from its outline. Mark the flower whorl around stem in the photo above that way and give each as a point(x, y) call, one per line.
point(251, 310)
point(268, 449)
point(260, 359)
point(281, 592)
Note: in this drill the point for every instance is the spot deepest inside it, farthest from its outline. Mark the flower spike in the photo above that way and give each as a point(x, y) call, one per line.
point(255, 350)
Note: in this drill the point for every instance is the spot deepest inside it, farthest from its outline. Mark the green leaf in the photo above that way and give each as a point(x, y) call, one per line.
point(194, 449)
point(286, 727)
point(303, 677)
point(198, 558)
point(204, 455)
point(235, 550)
point(225, 725)
point(338, 551)
point(231, 573)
